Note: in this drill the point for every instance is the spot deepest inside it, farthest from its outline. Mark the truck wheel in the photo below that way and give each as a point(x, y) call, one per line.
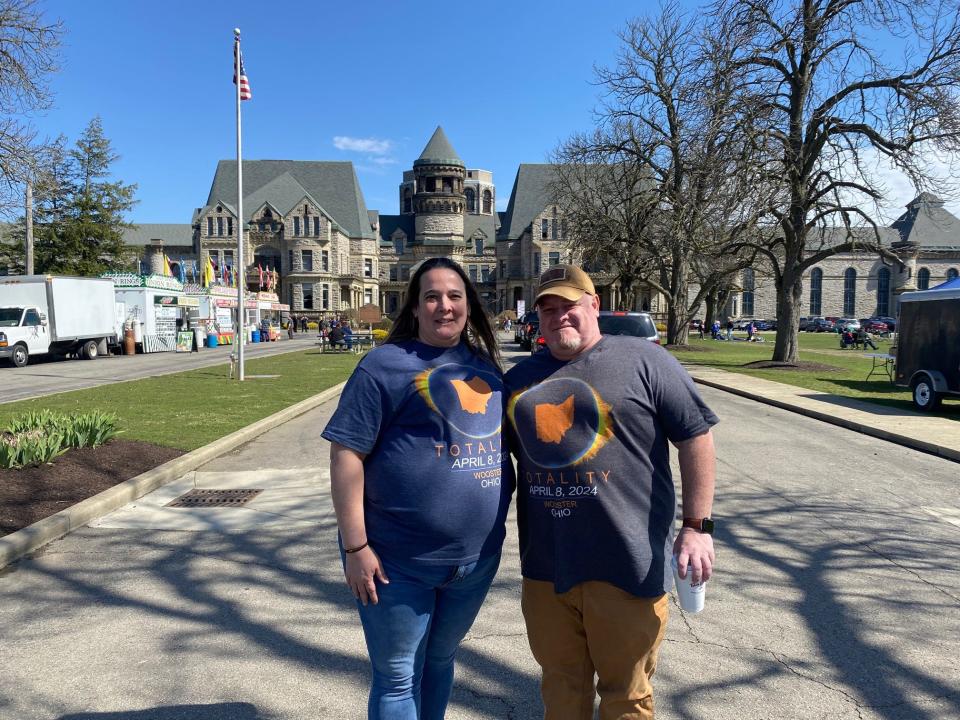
point(925, 398)
point(89, 351)
point(20, 356)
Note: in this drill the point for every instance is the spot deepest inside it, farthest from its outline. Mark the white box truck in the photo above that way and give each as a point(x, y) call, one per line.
point(47, 314)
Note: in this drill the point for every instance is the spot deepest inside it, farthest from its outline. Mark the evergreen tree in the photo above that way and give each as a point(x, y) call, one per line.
point(79, 218)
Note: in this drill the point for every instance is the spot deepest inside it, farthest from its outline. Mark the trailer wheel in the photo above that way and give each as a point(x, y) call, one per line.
point(20, 356)
point(925, 398)
point(89, 351)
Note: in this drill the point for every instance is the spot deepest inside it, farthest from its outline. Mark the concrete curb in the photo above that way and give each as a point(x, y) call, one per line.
point(905, 440)
point(19, 543)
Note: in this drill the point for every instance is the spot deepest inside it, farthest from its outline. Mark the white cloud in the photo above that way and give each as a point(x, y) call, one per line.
point(371, 146)
point(383, 161)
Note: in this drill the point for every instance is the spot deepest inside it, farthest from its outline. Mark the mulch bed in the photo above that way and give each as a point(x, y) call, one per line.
point(801, 366)
point(33, 493)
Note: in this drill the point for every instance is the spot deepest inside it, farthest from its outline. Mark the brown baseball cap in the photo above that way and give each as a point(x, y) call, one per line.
point(567, 281)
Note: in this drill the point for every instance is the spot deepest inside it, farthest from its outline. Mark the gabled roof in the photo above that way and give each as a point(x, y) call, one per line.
point(485, 223)
point(928, 224)
point(438, 151)
point(389, 224)
point(172, 234)
point(331, 185)
point(530, 195)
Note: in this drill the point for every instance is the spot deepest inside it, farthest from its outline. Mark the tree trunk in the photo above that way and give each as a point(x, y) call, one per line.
point(789, 291)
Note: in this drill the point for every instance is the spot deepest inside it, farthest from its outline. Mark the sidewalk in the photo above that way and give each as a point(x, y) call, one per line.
point(240, 613)
point(935, 435)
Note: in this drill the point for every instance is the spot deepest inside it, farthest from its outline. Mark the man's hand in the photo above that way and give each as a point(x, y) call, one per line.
point(363, 569)
point(694, 548)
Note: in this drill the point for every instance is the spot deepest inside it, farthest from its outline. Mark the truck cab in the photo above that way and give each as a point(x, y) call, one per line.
point(23, 332)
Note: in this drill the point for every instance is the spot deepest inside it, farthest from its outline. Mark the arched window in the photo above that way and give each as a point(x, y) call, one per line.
point(487, 202)
point(816, 286)
point(952, 274)
point(471, 200)
point(748, 287)
point(407, 201)
point(849, 292)
point(923, 279)
point(883, 292)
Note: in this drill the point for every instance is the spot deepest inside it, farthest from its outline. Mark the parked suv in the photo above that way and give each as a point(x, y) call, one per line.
point(637, 324)
point(528, 328)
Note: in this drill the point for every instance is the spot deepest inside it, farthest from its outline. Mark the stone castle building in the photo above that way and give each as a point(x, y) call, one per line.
point(308, 221)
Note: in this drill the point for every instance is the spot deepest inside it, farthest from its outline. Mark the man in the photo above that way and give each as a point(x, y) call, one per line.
point(591, 419)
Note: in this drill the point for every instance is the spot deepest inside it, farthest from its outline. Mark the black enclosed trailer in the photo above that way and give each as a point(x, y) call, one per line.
point(928, 344)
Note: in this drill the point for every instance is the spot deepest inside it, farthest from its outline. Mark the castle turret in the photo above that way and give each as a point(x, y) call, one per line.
point(438, 199)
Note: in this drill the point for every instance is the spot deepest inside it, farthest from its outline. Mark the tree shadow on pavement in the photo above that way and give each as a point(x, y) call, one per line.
point(216, 711)
point(830, 605)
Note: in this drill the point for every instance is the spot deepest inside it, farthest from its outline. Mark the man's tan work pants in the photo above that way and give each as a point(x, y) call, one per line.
point(594, 629)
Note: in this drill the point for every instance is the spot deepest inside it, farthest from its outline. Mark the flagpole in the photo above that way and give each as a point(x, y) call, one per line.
point(241, 265)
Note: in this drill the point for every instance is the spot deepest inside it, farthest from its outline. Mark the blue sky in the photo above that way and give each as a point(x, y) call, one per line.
point(366, 81)
point(506, 80)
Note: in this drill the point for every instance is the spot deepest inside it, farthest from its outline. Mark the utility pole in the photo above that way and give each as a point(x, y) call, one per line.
point(28, 214)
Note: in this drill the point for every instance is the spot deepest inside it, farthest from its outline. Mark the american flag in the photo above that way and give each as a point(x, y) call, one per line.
point(245, 93)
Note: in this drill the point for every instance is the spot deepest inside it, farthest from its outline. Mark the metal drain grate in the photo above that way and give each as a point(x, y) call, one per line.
point(214, 498)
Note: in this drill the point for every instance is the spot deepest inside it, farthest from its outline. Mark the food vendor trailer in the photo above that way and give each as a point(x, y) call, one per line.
point(155, 307)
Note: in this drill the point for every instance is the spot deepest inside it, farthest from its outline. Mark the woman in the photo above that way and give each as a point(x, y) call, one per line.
point(421, 485)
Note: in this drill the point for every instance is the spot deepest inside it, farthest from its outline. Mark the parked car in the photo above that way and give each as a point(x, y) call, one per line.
point(822, 325)
point(637, 324)
point(808, 324)
point(872, 325)
point(849, 323)
point(891, 322)
point(765, 325)
point(529, 329)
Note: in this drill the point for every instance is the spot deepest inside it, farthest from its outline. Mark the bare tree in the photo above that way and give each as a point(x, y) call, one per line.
point(676, 168)
point(836, 84)
point(28, 55)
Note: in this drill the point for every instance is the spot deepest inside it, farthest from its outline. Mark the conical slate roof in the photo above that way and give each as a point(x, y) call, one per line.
point(928, 224)
point(439, 151)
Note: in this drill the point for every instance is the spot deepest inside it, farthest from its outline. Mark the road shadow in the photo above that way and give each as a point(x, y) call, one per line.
point(216, 711)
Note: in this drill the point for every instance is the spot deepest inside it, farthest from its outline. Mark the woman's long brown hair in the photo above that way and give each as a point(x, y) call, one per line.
point(478, 325)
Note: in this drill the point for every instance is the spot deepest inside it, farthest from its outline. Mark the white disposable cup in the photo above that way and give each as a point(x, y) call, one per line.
point(690, 596)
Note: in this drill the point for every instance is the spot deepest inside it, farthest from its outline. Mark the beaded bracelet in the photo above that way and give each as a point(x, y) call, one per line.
point(356, 549)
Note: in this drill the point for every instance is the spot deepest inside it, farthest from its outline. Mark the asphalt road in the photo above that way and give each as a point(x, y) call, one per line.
point(837, 596)
point(46, 377)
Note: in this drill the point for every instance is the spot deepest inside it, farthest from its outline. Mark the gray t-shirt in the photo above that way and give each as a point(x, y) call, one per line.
point(595, 495)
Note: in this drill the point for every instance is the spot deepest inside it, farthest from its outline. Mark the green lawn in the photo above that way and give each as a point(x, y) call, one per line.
point(846, 376)
point(193, 408)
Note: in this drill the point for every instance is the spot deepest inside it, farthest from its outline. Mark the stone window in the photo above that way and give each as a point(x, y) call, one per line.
point(325, 260)
point(553, 258)
point(367, 267)
point(228, 258)
point(952, 274)
point(849, 292)
point(816, 287)
point(398, 243)
point(307, 296)
point(923, 279)
point(749, 284)
point(230, 226)
point(883, 292)
point(296, 225)
point(471, 200)
point(325, 296)
point(316, 225)
point(544, 228)
point(553, 229)
point(393, 273)
point(368, 296)
point(431, 184)
point(485, 273)
point(487, 202)
point(473, 273)
point(209, 226)
point(478, 244)
point(307, 260)
point(219, 226)
point(448, 185)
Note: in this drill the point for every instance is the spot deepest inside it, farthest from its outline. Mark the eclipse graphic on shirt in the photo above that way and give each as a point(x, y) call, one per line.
point(560, 422)
point(467, 398)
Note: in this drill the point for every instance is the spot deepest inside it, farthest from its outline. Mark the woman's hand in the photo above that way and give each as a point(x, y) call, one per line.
point(363, 569)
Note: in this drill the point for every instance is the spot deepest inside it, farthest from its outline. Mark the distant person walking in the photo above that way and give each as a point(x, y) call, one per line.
point(729, 328)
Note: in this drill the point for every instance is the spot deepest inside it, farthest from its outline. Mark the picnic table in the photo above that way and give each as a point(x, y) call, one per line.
point(881, 364)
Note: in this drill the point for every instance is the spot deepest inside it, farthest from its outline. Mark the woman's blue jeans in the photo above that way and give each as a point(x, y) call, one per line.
point(413, 633)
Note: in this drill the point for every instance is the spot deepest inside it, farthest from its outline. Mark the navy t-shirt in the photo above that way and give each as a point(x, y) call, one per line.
point(595, 497)
point(437, 478)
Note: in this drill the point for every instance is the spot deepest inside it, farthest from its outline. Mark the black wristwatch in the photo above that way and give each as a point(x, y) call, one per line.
point(704, 525)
